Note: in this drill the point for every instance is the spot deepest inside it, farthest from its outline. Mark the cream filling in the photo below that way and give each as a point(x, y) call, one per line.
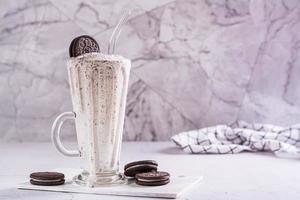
point(158, 180)
point(46, 181)
point(154, 166)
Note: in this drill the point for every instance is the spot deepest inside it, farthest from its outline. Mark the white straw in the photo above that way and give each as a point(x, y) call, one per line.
point(117, 31)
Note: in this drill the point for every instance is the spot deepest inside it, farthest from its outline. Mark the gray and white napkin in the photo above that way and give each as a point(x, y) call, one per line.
point(242, 136)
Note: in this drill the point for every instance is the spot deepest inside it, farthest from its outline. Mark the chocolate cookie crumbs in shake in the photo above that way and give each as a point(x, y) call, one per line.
point(98, 88)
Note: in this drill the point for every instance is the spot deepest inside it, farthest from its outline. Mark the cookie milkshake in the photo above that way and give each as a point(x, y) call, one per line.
point(98, 85)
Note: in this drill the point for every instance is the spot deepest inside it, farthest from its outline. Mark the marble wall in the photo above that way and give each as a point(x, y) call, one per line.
point(196, 63)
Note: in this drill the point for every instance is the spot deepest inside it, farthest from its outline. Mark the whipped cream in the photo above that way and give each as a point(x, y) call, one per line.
point(100, 56)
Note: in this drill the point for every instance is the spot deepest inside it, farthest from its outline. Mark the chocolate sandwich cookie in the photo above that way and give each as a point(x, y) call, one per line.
point(153, 178)
point(133, 168)
point(83, 44)
point(47, 178)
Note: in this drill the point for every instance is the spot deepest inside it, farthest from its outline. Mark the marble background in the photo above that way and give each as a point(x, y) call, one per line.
point(196, 63)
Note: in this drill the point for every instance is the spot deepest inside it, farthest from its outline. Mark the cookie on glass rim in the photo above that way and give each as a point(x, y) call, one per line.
point(83, 44)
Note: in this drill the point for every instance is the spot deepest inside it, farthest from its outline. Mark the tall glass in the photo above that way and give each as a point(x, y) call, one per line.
point(98, 86)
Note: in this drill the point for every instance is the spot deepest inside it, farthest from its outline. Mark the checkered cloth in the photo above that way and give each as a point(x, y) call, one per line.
point(241, 136)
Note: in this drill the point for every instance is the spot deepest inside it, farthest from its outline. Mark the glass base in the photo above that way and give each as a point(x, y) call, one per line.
point(109, 179)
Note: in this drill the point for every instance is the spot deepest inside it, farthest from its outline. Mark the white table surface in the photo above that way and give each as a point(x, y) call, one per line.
point(239, 176)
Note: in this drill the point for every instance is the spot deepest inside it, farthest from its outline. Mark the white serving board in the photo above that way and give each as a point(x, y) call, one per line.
point(177, 186)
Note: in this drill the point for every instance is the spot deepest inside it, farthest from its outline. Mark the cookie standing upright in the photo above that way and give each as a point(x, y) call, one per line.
point(83, 44)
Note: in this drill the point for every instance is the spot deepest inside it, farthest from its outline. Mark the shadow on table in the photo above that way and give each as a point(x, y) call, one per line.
point(173, 150)
point(177, 151)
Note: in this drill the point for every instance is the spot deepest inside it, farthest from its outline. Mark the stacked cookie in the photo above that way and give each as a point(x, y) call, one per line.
point(133, 168)
point(145, 173)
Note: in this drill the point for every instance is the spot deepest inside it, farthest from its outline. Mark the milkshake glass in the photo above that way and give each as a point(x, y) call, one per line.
point(98, 85)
